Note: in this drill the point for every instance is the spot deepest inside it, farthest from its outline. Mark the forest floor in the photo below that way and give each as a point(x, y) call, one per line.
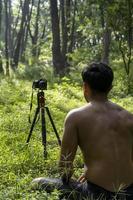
point(21, 163)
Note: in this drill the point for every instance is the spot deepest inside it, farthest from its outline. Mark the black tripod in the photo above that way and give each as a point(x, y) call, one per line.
point(41, 109)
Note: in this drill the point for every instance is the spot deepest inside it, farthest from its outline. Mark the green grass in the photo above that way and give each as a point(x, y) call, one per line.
point(20, 163)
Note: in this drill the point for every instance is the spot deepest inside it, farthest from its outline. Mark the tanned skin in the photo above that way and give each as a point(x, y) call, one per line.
point(104, 132)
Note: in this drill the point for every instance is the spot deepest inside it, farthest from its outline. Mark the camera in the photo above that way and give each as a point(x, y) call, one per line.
point(40, 84)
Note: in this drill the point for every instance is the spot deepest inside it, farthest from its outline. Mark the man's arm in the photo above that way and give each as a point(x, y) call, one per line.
point(68, 147)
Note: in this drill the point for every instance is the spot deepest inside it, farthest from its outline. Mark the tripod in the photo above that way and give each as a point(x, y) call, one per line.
point(41, 109)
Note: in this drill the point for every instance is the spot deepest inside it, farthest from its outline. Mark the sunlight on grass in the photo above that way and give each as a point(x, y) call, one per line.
point(20, 163)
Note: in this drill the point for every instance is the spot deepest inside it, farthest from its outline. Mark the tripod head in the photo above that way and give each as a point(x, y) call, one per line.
point(40, 84)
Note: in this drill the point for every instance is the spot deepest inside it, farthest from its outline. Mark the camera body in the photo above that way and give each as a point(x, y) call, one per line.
point(40, 84)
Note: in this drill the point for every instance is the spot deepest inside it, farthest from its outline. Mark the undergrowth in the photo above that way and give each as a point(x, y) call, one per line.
point(21, 163)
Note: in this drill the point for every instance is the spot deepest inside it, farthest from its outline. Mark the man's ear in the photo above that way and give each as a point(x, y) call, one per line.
point(86, 87)
point(87, 91)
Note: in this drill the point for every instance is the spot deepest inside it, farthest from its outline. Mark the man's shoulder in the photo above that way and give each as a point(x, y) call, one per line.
point(79, 110)
point(125, 114)
point(76, 113)
point(121, 109)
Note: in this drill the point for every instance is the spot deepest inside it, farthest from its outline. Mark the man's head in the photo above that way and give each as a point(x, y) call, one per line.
point(97, 79)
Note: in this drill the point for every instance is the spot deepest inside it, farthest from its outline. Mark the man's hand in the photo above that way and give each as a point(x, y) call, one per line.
point(82, 178)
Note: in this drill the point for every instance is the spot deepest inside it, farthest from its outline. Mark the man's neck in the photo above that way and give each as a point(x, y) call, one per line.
point(101, 98)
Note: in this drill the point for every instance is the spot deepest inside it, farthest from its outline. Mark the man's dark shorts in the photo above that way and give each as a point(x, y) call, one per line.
point(85, 191)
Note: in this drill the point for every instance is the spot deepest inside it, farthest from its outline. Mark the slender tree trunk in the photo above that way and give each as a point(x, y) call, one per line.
point(65, 25)
point(106, 45)
point(68, 17)
point(36, 31)
point(106, 34)
point(15, 29)
point(130, 34)
point(24, 43)
point(58, 61)
point(34, 34)
point(129, 42)
point(7, 36)
point(64, 29)
point(17, 51)
point(72, 37)
point(1, 8)
point(10, 41)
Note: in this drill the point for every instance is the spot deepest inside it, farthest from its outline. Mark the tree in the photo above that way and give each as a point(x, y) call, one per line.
point(20, 35)
point(72, 28)
point(7, 35)
point(106, 31)
point(78, 31)
point(121, 21)
point(64, 28)
point(1, 8)
point(58, 61)
point(36, 31)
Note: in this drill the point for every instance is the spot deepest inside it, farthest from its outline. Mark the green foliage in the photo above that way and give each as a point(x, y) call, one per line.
point(34, 72)
point(21, 163)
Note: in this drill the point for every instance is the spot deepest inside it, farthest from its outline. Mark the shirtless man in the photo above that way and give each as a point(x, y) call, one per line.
point(104, 132)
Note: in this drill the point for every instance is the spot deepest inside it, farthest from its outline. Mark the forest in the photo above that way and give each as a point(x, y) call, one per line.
point(54, 40)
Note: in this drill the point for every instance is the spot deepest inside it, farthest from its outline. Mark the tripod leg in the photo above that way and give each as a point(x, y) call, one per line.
point(33, 124)
point(43, 131)
point(53, 125)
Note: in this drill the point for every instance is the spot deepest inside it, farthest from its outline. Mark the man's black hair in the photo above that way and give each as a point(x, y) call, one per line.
point(99, 77)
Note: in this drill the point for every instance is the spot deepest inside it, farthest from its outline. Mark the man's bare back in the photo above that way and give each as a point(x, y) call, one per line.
point(105, 132)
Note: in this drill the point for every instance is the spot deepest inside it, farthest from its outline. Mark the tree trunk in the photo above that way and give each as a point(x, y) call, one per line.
point(130, 34)
point(7, 36)
point(10, 41)
point(72, 38)
point(20, 36)
point(106, 45)
point(15, 29)
point(106, 34)
point(58, 61)
point(1, 8)
point(64, 29)
point(34, 37)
